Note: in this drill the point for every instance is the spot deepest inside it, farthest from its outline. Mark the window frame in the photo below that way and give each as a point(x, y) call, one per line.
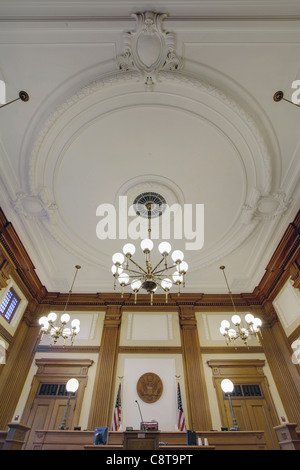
point(15, 309)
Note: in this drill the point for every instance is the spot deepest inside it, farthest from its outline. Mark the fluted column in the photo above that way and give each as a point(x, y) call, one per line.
point(295, 273)
point(279, 356)
point(18, 362)
point(101, 406)
point(197, 398)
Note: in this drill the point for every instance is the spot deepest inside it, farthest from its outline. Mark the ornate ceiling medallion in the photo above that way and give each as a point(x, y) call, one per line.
point(149, 48)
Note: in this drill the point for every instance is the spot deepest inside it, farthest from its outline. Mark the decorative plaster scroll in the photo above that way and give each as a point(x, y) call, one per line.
point(149, 48)
point(35, 206)
point(264, 207)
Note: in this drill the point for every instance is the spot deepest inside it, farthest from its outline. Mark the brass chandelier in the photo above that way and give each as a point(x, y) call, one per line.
point(242, 332)
point(60, 329)
point(127, 271)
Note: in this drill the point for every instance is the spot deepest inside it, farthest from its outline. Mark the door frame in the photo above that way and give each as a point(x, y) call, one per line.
point(54, 370)
point(243, 372)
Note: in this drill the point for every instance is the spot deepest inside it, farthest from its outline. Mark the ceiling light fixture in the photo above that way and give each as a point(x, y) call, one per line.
point(149, 278)
point(23, 96)
point(59, 330)
point(243, 333)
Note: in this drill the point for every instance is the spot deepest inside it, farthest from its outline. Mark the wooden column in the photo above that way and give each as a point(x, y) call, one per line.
point(197, 397)
point(102, 401)
point(18, 361)
point(279, 356)
point(288, 437)
point(295, 273)
point(15, 437)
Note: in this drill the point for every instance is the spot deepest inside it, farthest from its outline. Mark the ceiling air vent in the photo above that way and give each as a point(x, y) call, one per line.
point(149, 201)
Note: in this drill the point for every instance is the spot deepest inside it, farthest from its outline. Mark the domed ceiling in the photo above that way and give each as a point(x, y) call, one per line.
point(173, 104)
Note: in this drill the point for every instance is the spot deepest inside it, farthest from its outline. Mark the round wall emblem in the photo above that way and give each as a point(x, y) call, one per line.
point(149, 387)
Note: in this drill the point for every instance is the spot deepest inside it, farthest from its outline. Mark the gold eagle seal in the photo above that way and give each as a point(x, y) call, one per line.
point(149, 387)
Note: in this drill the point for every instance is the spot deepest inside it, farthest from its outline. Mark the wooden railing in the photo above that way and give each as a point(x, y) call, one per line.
point(77, 440)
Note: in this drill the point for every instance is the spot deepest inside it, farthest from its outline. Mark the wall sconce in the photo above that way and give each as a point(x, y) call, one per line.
point(23, 96)
point(227, 387)
point(279, 95)
point(71, 387)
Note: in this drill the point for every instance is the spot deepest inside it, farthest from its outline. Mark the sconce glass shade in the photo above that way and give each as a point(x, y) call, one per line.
point(166, 284)
point(236, 320)
point(249, 318)
point(123, 279)
point(43, 321)
point(225, 324)
point(52, 316)
point(177, 278)
point(135, 285)
point(66, 332)
point(116, 269)
point(118, 258)
point(183, 267)
point(129, 249)
point(72, 385)
point(257, 324)
point(65, 318)
point(164, 248)
point(177, 256)
point(227, 386)
point(147, 245)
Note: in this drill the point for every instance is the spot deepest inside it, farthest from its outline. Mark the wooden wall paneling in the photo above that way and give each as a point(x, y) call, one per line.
point(278, 353)
point(18, 362)
point(102, 401)
point(258, 413)
point(197, 398)
point(44, 412)
point(281, 264)
point(295, 273)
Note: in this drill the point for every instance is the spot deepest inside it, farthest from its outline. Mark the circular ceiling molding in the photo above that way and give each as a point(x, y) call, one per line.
point(169, 191)
point(105, 141)
point(149, 205)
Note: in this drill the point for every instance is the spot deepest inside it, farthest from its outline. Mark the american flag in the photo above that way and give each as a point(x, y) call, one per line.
point(181, 420)
point(117, 412)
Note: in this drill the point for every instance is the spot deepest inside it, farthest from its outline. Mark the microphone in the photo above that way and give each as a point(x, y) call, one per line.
point(139, 410)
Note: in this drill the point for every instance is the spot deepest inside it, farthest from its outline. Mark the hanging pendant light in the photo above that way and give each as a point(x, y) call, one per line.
point(59, 330)
point(242, 332)
point(128, 272)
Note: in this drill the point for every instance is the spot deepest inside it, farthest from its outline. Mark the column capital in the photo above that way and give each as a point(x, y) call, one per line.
point(187, 317)
point(113, 316)
point(295, 273)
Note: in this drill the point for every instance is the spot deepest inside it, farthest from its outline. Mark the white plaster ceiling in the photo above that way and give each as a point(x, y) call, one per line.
point(209, 133)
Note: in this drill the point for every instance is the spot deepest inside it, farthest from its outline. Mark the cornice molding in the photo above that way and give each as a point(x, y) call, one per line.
point(277, 273)
point(18, 256)
point(20, 10)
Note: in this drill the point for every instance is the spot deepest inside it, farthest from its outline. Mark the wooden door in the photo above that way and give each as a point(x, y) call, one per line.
point(260, 418)
point(47, 411)
point(39, 418)
point(251, 415)
point(48, 397)
point(252, 403)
